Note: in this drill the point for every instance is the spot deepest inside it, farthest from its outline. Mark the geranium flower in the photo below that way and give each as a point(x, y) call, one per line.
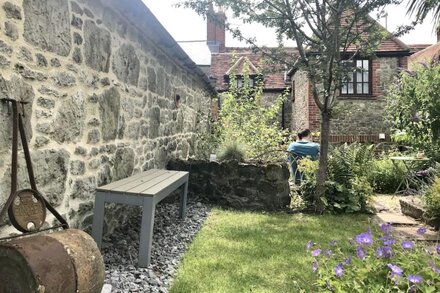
point(407, 245)
point(422, 230)
point(389, 241)
point(395, 269)
point(316, 252)
point(360, 252)
point(347, 260)
point(434, 268)
point(308, 245)
point(315, 266)
point(383, 251)
point(385, 227)
point(438, 248)
point(415, 279)
point(328, 253)
point(339, 270)
point(364, 238)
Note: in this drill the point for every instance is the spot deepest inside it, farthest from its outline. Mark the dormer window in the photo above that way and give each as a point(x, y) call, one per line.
point(252, 81)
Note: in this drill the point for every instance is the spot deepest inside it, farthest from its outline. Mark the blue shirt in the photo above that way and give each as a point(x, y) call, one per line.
point(304, 149)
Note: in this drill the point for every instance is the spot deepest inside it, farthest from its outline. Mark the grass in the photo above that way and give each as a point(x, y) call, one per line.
point(256, 252)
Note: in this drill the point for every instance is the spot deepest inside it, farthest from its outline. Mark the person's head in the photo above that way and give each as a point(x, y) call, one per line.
point(305, 134)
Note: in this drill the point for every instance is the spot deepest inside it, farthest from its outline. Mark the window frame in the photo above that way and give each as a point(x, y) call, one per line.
point(355, 82)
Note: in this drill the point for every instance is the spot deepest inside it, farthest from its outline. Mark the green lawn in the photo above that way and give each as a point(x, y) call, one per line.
point(254, 252)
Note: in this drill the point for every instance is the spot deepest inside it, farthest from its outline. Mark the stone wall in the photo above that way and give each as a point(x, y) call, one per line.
point(236, 185)
point(354, 115)
point(102, 80)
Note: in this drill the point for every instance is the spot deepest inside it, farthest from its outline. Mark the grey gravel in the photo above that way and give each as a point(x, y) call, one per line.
point(170, 240)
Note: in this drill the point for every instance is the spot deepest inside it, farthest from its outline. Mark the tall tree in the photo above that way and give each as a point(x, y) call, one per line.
point(328, 35)
point(421, 8)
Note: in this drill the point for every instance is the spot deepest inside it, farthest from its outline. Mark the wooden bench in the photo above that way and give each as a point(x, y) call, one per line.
point(145, 189)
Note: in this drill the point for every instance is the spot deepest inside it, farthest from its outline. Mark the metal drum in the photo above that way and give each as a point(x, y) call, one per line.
point(60, 262)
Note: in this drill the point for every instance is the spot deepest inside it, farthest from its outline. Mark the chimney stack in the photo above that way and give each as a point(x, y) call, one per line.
point(216, 30)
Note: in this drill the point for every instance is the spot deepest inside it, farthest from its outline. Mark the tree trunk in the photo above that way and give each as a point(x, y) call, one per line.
point(323, 162)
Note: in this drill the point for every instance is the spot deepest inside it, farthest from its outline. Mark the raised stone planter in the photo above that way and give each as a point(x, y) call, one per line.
point(412, 207)
point(237, 185)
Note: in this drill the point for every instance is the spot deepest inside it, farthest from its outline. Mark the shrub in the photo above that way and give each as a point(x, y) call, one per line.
point(386, 176)
point(348, 188)
point(232, 152)
point(376, 263)
point(431, 200)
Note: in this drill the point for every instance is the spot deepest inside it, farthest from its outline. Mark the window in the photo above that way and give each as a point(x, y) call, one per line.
point(358, 81)
point(253, 79)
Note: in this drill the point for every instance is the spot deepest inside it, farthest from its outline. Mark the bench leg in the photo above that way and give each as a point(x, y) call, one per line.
point(146, 237)
point(183, 198)
point(98, 218)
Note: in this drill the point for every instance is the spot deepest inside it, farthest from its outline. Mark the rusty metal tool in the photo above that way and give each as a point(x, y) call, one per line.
point(26, 207)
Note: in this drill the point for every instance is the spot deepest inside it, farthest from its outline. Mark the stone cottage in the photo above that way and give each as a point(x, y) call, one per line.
point(360, 109)
point(111, 94)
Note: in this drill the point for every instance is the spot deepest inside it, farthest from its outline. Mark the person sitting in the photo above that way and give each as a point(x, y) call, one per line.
point(303, 147)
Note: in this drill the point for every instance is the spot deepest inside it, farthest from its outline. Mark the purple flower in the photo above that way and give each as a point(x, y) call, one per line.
point(421, 230)
point(347, 260)
point(328, 253)
point(315, 266)
point(360, 252)
point(438, 248)
point(395, 269)
point(434, 268)
point(415, 279)
point(385, 227)
point(316, 252)
point(383, 251)
point(389, 241)
point(407, 245)
point(339, 270)
point(308, 245)
point(333, 243)
point(364, 238)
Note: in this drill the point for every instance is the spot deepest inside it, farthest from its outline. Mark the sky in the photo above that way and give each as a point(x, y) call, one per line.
point(185, 25)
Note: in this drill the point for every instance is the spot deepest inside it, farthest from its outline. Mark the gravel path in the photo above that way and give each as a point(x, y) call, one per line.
point(170, 240)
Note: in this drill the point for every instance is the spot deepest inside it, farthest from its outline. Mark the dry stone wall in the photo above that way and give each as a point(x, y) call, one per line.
point(263, 187)
point(101, 80)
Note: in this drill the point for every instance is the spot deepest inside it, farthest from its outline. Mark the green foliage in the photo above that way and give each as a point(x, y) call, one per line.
point(431, 200)
point(342, 269)
point(347, 188)
point(413, 106)
point(244, 121)
point(231, 152)
point(385, 175)
point(422, 8)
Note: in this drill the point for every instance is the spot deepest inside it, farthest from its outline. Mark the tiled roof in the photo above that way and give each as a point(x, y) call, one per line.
point(418, 47)
point(221, 63)
point(431, 53)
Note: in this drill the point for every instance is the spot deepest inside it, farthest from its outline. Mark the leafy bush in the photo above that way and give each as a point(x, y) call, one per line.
point(348, 188)
point(431, 200)
point(378, 263)
point(232, 152)
point(413, 106)
point(386, 176)
point(244, 120)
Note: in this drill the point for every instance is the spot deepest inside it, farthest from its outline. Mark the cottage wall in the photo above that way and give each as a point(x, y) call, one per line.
point(101, 79)
point(354, 118)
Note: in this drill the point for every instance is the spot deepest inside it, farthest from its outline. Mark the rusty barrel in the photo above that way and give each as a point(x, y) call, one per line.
point(60, 262)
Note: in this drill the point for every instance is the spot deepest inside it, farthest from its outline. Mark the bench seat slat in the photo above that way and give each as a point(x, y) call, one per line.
point(146, 185)
point(140, 181)
point(126, 180)
point(153, 190)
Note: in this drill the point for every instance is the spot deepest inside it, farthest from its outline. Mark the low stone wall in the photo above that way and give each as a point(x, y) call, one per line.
point(237, 185)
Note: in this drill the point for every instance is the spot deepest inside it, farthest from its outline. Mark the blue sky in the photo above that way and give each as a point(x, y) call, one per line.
point(186, 25)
